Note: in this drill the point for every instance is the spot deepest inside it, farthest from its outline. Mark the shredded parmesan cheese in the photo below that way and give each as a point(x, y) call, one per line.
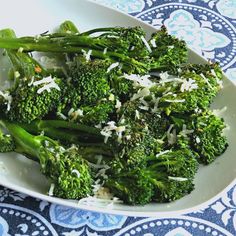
point(141, 94)
point(87, 55)
point(51, 189)
point(177, 178)
point(188, 85)
point(76, 172)
point(163, 152)
point(146, 44)
point(112, 66)
point(105, 51)
point(175, 100)
point(8, 99)
point(140, 81)
point(153, 43)
point(48, 84)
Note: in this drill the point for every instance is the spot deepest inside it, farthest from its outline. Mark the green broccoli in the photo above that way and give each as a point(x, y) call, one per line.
point(166, 177)
point(202, 132)
point(208, 138)
point(168, 52)
point(66, 168)
point(7, 143)
point(79, 44)
point(134, 36)
point(34, 92)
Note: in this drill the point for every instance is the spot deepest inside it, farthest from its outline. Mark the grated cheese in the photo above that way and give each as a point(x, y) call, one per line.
point(153, 43)
point(49, 83)
point(61, 115)
point(175, 100)
point(118, 105)
point(163, 152)
point(8, 99)
point(51, 189)
point(111, 126)
point(206, 80)
point(141, 93)
point(139, 80)
point(198, 140)
point(31, 82)
point(76, 172)
point(112, 66)
point(188, 85)
point(20, 49)
point(186, 131)
point(146, 44)
point(177, 178)
point(105, 51)
point(137, 115)
point(87, 55)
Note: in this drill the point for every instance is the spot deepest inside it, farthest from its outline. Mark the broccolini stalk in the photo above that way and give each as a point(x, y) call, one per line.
point(68, 171)
point(60, 43)
point(89, 141)
point(7, 143)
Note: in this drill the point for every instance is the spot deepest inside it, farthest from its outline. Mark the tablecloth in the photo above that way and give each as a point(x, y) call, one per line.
point(209, 28)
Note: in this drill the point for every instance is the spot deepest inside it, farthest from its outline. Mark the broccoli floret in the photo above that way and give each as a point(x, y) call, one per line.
point(68, 27)
point(167, 177)
point(190, 90)
point(98, 113)
point(202, 132)
point(34, 92)
point(67, 169)
point(208, 138)
point(91, 80)
point(7, 143)
point(29, 103)
point(168, 52)
point(133, 36)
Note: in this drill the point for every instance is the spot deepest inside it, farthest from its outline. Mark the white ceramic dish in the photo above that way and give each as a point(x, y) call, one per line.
point(31, 17)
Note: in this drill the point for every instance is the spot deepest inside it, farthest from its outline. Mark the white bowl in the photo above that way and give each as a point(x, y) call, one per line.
point(24, 176)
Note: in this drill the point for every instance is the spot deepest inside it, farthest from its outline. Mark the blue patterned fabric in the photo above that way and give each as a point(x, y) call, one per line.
point(209, 28)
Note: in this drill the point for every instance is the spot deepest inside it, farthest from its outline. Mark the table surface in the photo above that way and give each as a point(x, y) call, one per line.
point(209, 27)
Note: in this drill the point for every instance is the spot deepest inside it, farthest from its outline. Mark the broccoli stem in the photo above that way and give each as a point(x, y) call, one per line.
point(97, 30)
point(25, 142)
point(62, 46)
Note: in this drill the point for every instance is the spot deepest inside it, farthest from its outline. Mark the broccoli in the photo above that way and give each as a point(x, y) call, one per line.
point(79, 44)
point(193, 88)
point(66, 168)
point(91, 80)
point(134, 36)
point(7, 143)
point(68, 27)
point(202, 132)
point(166, 177)
point(34, 92)
point(208, 138)
point(168, 52)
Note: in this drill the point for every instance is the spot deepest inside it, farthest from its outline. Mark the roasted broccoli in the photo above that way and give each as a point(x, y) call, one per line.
point(114, 110)
point(166, 177)
point(66, 168)
point(168, 52)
